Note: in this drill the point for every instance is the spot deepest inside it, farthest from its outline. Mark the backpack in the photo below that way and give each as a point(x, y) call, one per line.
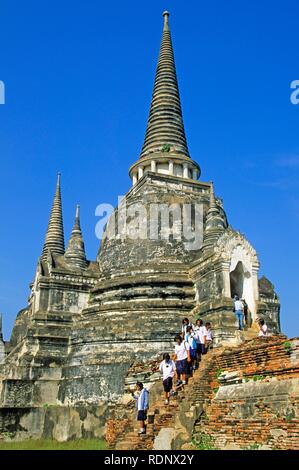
point(192, 344)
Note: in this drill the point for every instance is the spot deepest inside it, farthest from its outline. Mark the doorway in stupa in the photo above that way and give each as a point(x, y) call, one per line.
point(241, 285)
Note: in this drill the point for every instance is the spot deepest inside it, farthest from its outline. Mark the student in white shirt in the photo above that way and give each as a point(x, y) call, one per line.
point(142, 402)
point(263, 328)
point(210, 336)
point(239, 311)
point(182, 358)
point(167, 369)
point(201, 335)
point(185, 325)
point(198, 324)
point(190, 338)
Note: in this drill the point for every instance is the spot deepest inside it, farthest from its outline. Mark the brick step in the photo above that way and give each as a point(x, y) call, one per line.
point(164, 415)
point(135, 442)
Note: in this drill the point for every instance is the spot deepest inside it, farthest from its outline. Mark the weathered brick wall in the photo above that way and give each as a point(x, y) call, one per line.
point(256, 394)
point(273, 355)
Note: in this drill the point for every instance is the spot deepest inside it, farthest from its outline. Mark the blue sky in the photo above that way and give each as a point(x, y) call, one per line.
point(79, 78)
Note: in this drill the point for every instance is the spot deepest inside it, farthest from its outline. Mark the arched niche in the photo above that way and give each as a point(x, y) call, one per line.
point(243, 277)
point(237, 278)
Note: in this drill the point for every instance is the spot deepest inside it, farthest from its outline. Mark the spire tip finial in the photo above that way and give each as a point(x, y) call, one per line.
point(77, 211)
point(166, 16)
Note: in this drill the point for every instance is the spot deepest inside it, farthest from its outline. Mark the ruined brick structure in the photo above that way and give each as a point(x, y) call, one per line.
point(243, 397)
point(87, 322)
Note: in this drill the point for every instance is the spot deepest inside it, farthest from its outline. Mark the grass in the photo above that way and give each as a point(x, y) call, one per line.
point(166, 148)
point(288, 347)
point(257, 377)
point(204, 442)
point(47, 444)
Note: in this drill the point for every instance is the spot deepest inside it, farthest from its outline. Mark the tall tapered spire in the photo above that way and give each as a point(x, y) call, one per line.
point(54, 241)
point(75, 252)
point(165, 128)
point(215, 220)
point(165, 149)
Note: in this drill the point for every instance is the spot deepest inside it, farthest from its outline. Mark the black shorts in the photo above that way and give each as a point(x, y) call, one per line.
point(167, 384)
point(201, 349)
point(142, 415)
point(182, 366)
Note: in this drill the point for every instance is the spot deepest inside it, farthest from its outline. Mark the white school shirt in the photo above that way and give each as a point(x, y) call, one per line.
point(140, 399)
point(167, 369)
point(202, 332)
point(263, 331)
point(190, 338)
point(181, 350)
point(196, 334)
point(209, 335)
point(239, 306)
point(184, 329)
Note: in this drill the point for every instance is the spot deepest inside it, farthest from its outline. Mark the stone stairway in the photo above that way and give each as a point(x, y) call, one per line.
point(159, 416)
point(249, 333)
point(162, 416)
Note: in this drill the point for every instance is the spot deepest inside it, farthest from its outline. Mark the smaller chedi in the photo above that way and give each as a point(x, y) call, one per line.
point(87, 321)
